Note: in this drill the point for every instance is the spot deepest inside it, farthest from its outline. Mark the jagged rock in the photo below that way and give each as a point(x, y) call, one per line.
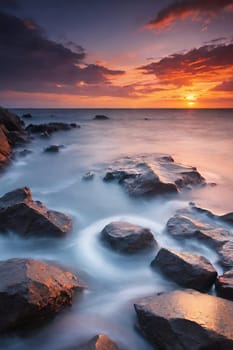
point(227, 218)
point(153, 175)
point(32, 291)
point(99, 342)
point(186, 320)
point(184, 227)
point(10, 120)
point(101, 117)
point(224, 285)
point(50, 127)
point(186, 269)
point(21, 214)
point(5, 149)
point(127, 238)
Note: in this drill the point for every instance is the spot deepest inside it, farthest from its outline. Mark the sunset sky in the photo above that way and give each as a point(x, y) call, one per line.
point(116, 53)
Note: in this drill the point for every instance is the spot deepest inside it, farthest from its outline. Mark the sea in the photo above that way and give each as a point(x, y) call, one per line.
point(197, 137)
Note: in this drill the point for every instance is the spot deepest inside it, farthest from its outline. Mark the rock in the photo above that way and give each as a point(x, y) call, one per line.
point(50, 127)
point(101, 117)
point(24, 153)
point(10, 120)
point(186, 320)
point(186, 269)
point(32, 291)
point(5, 149)
point(153, 175)
point(220, 239)
point(99, 342)
point(27, 116)
point(227, 218)
point(224, 285)
point(45, 135)
point(127, 238)
point(21, 214)
point(53, 148)
point(74, 125)
point(88, 176)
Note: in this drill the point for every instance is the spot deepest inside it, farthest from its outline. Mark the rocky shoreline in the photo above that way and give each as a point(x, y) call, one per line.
point(32, 291)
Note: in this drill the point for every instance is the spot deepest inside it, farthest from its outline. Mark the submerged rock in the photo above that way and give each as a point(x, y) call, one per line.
point(50, 127)
point(32, 291)
point(153, 175)
point(21, 214)
point(88, 176)
point(24, 152)
point(186, 320)
point(101, 117)
point(186, 269)
point(127, 238)
point(99, 342)
point(27, 116)
point(224, 285)
point(53, 148)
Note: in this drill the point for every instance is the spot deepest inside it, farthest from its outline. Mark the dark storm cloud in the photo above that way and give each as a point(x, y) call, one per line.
point(198, 10)
point(204, 63)
point(29, 61)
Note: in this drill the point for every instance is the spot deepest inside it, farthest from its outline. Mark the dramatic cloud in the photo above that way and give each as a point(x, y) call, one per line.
point(31, 62)
point(197, 10)
point(224, 86)
point(209, 63)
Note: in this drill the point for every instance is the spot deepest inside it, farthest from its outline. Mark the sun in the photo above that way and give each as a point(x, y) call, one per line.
point(191, 99)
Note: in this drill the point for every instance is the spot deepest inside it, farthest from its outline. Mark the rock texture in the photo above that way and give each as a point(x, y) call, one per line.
point(127, 238)
point(153, 175)
point(53, 148)
point(32, 291)
point(12, 134)
point(224, 285)
point(186, 320)
point(50, 127)
point(220, 239)
point(186, 269)
point(21, 214)
point(99, 342)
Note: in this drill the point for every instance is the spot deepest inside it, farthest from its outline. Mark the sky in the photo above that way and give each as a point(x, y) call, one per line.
point(116, 53)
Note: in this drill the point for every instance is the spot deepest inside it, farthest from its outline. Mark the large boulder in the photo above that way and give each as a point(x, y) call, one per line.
point(224, 285)
point(227, 218)
point(21, 214)
point(153, 175)
point(127, 238)
point(50, 127)
point(99, 342)
point(10, 120)
point(186, 320)
point(32, 291)
point(186, 269)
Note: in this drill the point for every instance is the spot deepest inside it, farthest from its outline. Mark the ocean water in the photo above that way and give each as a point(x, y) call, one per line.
point(201, 138)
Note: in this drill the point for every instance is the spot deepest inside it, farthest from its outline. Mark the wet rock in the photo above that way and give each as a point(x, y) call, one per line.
point(220, 239)
point(74, 125)
point(127, 238)
point(24, 152)
point(88, 176)
point(153, 175)
point(186, 269)
point(53, 148)
point(99, 342)
point(227, 218)
point(21, 214)
point(186, 320)
point(50, 127)
point(27, 116)
point(224, 285)
point(101, 117)
point(32, 291)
